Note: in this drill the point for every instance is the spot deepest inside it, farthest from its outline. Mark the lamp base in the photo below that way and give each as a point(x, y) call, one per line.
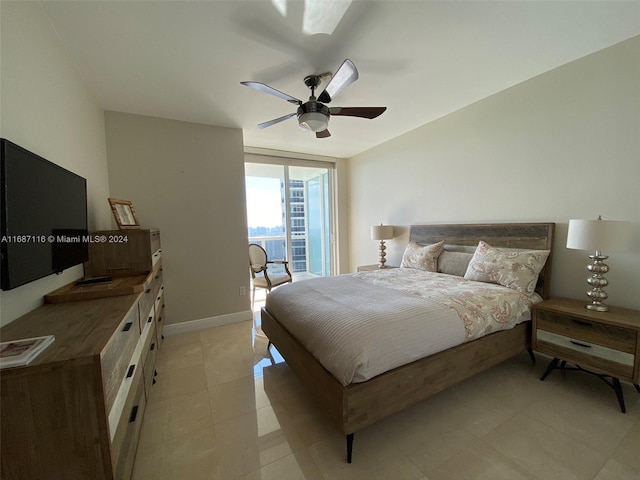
point(382, 254)
point(597, 280)
point(597, 307)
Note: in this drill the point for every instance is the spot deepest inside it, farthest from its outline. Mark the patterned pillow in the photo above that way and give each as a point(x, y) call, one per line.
point(515, 269)
point(422, 257)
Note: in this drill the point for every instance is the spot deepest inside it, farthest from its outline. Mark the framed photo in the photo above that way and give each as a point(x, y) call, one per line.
point(18, 353)
point(124, 213)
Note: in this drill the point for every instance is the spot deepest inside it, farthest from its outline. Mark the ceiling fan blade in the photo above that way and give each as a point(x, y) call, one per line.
point(363, 112)
point(262, 87)
point(323, 134)
point(276, 120)
point(344, 76)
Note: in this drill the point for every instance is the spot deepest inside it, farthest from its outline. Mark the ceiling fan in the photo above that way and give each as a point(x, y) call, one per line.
point(313, 115)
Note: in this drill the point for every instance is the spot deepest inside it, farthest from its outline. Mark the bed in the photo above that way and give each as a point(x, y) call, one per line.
point(354, 403)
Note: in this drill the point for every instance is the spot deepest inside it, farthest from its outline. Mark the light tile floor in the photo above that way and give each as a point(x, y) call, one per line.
point(222, 408)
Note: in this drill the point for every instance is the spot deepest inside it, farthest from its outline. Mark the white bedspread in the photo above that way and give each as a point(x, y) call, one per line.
point(361, 325)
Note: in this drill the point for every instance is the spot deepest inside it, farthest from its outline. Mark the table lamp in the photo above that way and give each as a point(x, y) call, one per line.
point(382, 233)
point(598, 235)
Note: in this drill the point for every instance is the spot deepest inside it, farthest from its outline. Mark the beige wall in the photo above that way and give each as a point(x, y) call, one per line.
point(563, 145)
point(188, 180)
point(45, 108)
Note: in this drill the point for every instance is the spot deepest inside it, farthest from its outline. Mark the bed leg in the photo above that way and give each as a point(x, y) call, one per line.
point(533, 357)
point(349, 447)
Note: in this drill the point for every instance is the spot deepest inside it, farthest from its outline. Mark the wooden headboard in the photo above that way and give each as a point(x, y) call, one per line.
point(534, 236)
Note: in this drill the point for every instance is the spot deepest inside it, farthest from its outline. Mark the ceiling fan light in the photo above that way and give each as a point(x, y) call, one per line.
point(313, 121)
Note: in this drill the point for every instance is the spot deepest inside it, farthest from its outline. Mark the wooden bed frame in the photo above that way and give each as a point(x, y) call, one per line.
point(358, 405)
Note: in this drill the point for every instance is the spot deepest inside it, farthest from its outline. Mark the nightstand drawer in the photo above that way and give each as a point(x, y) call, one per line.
point(613, 337)
point(586, 354)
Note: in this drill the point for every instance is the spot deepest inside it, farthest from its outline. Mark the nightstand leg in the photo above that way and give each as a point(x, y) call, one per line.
point(552, 365)
point(349, 447)
point(637, 387)
point(618, 390)
point(533, 357)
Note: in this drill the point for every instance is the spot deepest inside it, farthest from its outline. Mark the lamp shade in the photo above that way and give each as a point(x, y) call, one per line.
point(601, 235)
point(382, 232)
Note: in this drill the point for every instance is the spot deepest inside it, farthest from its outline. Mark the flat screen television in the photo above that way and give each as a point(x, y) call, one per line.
point(43, 224)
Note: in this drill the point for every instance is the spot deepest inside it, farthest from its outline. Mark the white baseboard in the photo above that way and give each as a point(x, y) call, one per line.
point(204, 323)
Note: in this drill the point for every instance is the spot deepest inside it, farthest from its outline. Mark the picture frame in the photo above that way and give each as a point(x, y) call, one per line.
point(18, 353)
point(124, 213)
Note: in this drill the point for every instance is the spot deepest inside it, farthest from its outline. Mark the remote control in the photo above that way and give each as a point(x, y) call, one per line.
point(94, 280)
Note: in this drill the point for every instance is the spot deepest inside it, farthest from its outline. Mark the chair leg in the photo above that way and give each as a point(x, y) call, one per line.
point(253, 297)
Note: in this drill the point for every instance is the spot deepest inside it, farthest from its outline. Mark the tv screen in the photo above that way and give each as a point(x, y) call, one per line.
point(43, 228)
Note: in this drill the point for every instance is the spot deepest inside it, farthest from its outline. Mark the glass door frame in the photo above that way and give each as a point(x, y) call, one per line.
point(287, 163)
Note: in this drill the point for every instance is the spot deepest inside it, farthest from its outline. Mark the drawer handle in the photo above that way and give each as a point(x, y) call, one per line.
point(153, 347)
point(580, 344)
point(582, 322)
point(158, 298)
point(148, 290)
point(159, 319)
point(149, 319)
point(127, 326)
point(134, 414)
point(132, 368)
point(122, 269)
point(157, 277)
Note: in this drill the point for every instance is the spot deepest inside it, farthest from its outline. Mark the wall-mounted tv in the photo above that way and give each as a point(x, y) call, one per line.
point(43, 217)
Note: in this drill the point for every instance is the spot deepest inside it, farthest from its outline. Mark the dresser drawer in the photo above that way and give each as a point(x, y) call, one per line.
point(160, 321)
point(117, 354)
point(125, 440)
point(145, 304)
point(613, 337)
point(156, 284)
point(150, 361)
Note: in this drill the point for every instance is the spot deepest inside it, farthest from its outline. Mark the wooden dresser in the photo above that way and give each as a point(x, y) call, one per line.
point(76, 410)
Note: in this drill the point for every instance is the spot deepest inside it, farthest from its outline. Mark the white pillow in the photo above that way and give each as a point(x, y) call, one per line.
point(515, 269)
point(422, 257)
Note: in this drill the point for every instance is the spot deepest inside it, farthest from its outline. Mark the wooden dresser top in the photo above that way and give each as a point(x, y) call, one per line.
point(82, 329)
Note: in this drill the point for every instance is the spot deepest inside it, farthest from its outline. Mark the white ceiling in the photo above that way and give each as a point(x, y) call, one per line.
point(185, 60)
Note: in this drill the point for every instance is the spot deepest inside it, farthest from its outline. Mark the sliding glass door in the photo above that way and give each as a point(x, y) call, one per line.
point(289, 212)
point(318, 236)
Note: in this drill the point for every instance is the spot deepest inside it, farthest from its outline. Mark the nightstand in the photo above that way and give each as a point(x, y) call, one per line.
point(606, 344)
point(370, 268)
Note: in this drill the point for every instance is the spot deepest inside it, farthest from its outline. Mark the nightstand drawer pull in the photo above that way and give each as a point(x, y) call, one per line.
point(582, 322)
point(580, 344)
